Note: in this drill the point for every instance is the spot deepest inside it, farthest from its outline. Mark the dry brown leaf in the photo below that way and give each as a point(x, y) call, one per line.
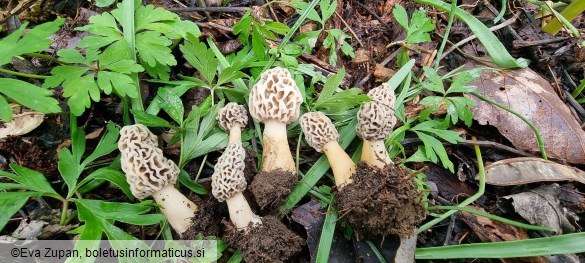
point(22, 122)
point(541, 206)
point(526, 170)
point(527, 93)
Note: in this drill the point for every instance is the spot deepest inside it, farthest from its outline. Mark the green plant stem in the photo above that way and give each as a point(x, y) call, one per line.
point(298, 150)
point(579, 89)
point(129, 34)
point(493, 217)
point(527, 121)
point(467, 201)
point(200, 168)
point(447, 31)
point(25, 75)
point(64, 212)
point(47, 57)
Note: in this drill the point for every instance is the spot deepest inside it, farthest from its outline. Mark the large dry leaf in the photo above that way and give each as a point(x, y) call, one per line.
point(23, 122)
point(541, 206)
point(526, 170)
point(527, 93)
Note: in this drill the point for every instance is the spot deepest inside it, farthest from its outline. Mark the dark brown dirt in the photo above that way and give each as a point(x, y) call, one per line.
point(207, 221)
point(269, 242)
point(270, 188)
point(32, 154)
point(251, 163)
point(381, 203)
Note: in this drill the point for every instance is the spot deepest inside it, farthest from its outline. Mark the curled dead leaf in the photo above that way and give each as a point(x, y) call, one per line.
point(23, 122)
point(527, 93)
point(524, 170)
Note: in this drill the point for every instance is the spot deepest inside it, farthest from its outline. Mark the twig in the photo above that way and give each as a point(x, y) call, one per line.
point(530, 43)
point(216, 9)
point(350, 30)
point(472, 37)
point(215, 25)
point(374, 15)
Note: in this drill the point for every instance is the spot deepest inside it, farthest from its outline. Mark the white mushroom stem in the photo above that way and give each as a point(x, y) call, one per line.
point(240, 213)
point(176, 207)
point(341, 164)
point(276, 153)
point(374, 154)
point(235, 135)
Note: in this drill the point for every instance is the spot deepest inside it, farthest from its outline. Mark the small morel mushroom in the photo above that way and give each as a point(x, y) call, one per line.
point(321, 134)
point(375, 123)
point(232, 118)
point(275, 101)
point(261, 239)
point(149, 173)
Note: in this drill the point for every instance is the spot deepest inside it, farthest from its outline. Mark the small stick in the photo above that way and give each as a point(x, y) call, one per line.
point(350, 30)
point(530, 43)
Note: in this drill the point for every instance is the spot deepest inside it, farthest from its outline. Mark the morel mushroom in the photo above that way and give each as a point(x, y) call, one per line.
point(149, 173)
point(261, 239)
point(275, 101)
point(232, 118)
point(321, 134)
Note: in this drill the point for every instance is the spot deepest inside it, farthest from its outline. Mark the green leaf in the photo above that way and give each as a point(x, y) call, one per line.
point(201, 58)
point(147, 15)
point(199, 138)
point(400, 15)
point(420, 28)
point(154, 48)
point(69, 169)
point(73, 56)
point(128, 213)
point(432, 148)
point(150, 120)
point(463, 78)
point(184, 29)
point(65, 75)
point(11, 202)
point(113, 176)
point(301, 7)
point(242, 28)
point(35, 40)
point(122, 84)
point(326, 239)
point(28, 95)
point(5, 109)
point(193, 186)
point(107, 144)
point(434, 82)
point(104, 3)
point(81, 92)
point(229, 74)
point(330, 85)
point(27, 179)
point(497, 51)
point(327, 9)
point(171, 104)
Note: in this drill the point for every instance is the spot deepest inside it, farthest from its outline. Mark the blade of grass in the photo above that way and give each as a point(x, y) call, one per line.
point(493, 217)
point(376, 252)
point(504, 4)
point(579, 89)
point(347, 134)
point(326, 238)
point(492, 44)
point(563, 244)
point(569, 13)
point(236, 257)
point(446, 35)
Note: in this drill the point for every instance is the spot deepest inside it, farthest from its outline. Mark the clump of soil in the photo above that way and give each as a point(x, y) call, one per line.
point(381, 202)
point(269, 242)
point(251, 165)
point(207, 220)
point(31, 154)
point(270, 188)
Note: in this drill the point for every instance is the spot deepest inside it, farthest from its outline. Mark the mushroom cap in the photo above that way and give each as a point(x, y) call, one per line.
point(228, 176)
point(383, 93)
point(147, 170)
point(232, 115)
point(276, 96)
point(318, 130)
point(375, 121)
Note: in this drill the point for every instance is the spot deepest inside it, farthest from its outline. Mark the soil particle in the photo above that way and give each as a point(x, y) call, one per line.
point(207, 220)
point(381, 202)
point(269, 242)
point(270, 188)
point(30, 153)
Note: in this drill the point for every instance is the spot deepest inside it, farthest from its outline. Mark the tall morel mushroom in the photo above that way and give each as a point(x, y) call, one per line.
point(149, 173)
point(275, 101)
point(321, 134)
point(232, 118)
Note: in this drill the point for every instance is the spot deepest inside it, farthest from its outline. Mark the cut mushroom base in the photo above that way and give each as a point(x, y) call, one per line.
point(276, 153)
point(176, 207)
